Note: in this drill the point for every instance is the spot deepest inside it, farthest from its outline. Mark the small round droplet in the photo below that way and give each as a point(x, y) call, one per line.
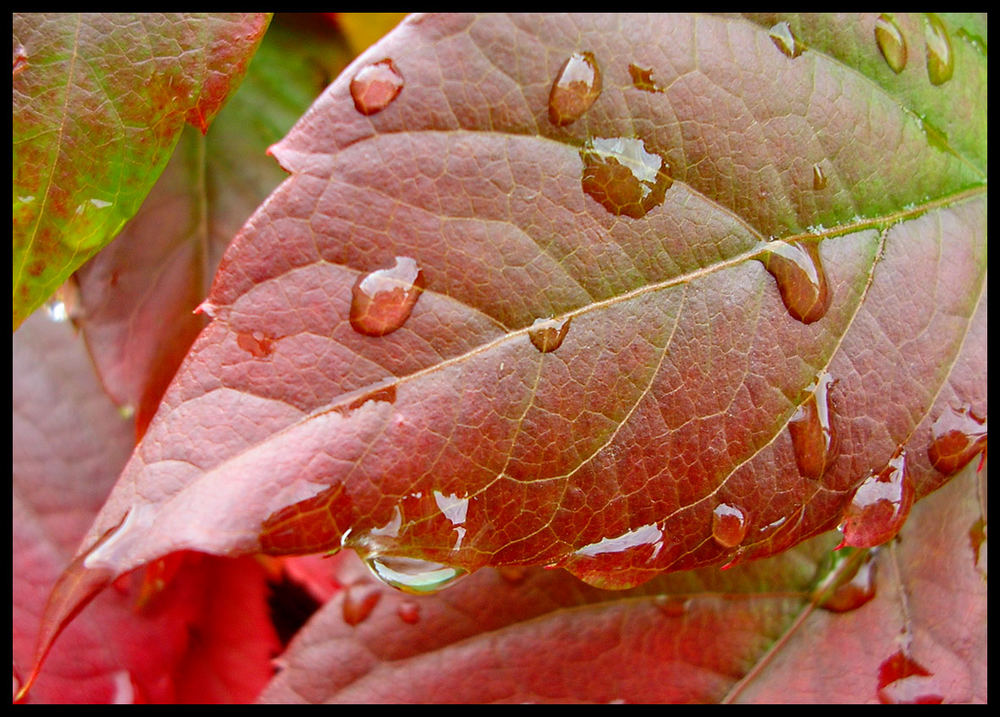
point(642, 79)
point(784, 40)
point(880, 505)
point(409, 612)
point(672, 605)
point(359, 600)
point(376, 86)
point(549, 335)
point(957, 437)
point(819, 177)
point(256, 343)
point(891, 42)
point(903, 680)
point(940, 59)
point(413, 575)
point(623, 177)
point(575, 89)
point(854, 588)
point(797, 269)
point(811, 429)
point(729, 525)
point(381, 301)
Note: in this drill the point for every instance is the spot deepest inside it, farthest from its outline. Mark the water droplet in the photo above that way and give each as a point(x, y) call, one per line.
point(409, 612)
point(514, 574)
point(575, 88)
point(854, 588)
point(413, 575)
point(256, 343)
point(65, 303)
point(376, 86)
point(360, 599)
point(957, 437)
point(819, 177)
point(549, 335)
point(940, 59)
point(784, 40)
point(879, 506)
point(797, 269)
point(936, 137)
point(729, 525)
point(623, 177)
point(672, 605)
point(381, 301)
point(891, 42)
point(206, 307)
point(20, 60)
point(642, 79)
point(902, 680)
point(386, 393)
point(811, 429)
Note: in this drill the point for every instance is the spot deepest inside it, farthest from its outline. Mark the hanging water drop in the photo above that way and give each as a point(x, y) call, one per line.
point(642, 79)
point(729, 525)
point(903, 680)
point(891, 42)
point(360, 599)
point(381, 301)
point(547, 334)
point(957, 437)
point(811, 429)
point(784, 40)
point(854, 588)
point(819, 177)
point(797, 269)
point(940, 59)
point(879, 506)
point(623, 177)
point(376, 86)
point(575, 89)
point(413, 575)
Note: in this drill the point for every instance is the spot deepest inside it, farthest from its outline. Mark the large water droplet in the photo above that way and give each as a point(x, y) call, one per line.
point(642, 79)
point(811, 429)
point(854, 588)
point(413, 575)
point(902, 680)
point(784, 40)
point(729, 525)
point(797, 269)
point(879, 506)
point(958, 436)
point(381, 301)
point(256, 343)
point(575, 88)
point(940, 59)
point(360, 599)
point(376, 86)
point(623, 177)
point(549, 334)
point(891, 42)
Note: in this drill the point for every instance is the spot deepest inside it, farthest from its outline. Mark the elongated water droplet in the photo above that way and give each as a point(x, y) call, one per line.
point(902, 680)
point(891, 42)
point(642, 79)
point(784, 40)
point(940, 59)
point(957, 437)
point(880, 505)
point(855, 588)
point(381, 301)
point(819, 177)
point(729, 525)
point(797, 269)
point(575, 88)
point(359, 600)
point(409, 612)
point(413, 575)
point(811, 429)
point(549, 335)
point(256, 343)
point(20, 60)
point(376, 86)
point(623, 177)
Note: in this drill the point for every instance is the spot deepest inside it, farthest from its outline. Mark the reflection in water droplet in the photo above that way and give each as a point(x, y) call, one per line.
point(902, 680)
point(575, 88)
point(381, 301)
point(784, 40)
point(642, 79)
point(957, 437)
point(811, 429)
point(855, 587)
point(797, 269)
point(409, 612)
point(359, 600)
point(880, 505)
point(891, 42)
point(413, 575)
point(729, 525)
point(549, 335)
point(376, 86)
point(646, 535)
point(623, 177)
point(940, 59)
point(819, 177)
point(257, 344)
